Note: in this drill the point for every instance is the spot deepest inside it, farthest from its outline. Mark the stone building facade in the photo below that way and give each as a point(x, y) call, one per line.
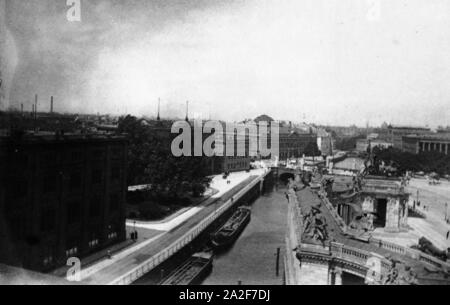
point(61, 196)
point(397, 133)
point(416, 144)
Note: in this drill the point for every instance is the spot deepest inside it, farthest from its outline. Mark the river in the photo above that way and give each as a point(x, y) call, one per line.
point(253, 258)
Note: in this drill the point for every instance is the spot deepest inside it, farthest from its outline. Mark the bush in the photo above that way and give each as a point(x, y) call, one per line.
point(426, 162)
point(152, 211)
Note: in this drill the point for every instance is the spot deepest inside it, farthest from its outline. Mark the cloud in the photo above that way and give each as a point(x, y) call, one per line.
point(323, 60)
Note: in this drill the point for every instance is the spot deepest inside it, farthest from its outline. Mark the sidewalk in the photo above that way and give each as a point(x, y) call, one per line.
point(99, 260)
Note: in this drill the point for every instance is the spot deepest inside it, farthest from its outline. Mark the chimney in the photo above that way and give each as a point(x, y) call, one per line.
point(187, 111)
point(35, 104)
point(51, 104)
point(159, 110)
point(35, 111)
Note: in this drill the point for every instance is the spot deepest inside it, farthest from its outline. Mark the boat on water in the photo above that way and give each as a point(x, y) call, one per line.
point(192, 272)
point(228, 234)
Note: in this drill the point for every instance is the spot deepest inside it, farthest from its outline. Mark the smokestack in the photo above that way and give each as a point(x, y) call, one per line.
point(21, 109)
point(187, 111)
point(51, 104)
point(159, 110)
point(35, 111)
point(35, 103)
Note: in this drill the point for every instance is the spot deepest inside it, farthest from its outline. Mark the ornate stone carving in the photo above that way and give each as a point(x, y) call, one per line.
point(315, 226)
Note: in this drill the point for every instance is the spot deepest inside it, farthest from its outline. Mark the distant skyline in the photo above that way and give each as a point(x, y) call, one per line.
point(327, 62)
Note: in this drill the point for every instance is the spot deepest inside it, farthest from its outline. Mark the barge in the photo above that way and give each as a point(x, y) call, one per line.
point(192, 272)
point(229, 233)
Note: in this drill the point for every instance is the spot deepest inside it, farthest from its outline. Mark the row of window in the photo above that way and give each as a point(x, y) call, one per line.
point(237, 165)
point(22, 158)
point(48, 215)
point(18, 187)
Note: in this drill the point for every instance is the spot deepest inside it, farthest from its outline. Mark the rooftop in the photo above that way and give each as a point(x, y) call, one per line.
point(409, 127)
point(437, 136)
point(46, 136)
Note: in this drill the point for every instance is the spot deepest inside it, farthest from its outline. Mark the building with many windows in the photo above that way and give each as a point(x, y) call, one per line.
point(396, 134)
point(61, 196)
point(295, 144)
point(439, 142)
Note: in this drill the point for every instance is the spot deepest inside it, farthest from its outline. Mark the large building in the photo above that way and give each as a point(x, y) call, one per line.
point(396, 134)
point(295, 144)
point(325, 142)
point(416, 144)
point(61, 196)
point(362, 145)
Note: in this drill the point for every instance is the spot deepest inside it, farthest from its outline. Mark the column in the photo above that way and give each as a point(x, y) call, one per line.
point(446, 148)
point(393, 215)
point(336, 277)
point(313, 274)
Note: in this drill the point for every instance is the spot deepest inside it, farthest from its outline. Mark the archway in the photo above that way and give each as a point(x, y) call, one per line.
point(286, 176)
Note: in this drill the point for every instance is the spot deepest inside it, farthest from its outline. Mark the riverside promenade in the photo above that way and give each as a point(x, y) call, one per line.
point(127, 266)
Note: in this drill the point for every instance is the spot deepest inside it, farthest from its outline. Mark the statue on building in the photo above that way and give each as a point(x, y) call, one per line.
point(400, 276)
point(315, 226)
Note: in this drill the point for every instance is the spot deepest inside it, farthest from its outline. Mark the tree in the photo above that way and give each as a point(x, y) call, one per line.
point(427, 161)
point(152, 162)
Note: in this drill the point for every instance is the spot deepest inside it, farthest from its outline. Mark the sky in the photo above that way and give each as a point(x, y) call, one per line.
point(336, 62)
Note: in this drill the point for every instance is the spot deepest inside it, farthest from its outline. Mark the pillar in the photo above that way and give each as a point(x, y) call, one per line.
point(393, 215)
point(313, 274)
point(336, 277)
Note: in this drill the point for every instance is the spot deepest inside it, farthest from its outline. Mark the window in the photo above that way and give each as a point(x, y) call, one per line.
point(71, 252)
point(93, 243)
point(49, 182)
point(49, 158)
point(73, 212)
point(75, 180)
point(48, 219)
point(76, 156)
point(112, 235)
point(18, 189)
point(114, 202)
point(94, 207)
point(97, 176)
point(115, 174)
point(48, 256)
point(117, 153)
point(98, 154)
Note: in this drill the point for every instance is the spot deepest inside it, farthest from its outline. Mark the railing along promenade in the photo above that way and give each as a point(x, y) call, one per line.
point(145, 267)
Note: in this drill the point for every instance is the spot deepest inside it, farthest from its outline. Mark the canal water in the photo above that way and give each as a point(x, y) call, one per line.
point(253, 258)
